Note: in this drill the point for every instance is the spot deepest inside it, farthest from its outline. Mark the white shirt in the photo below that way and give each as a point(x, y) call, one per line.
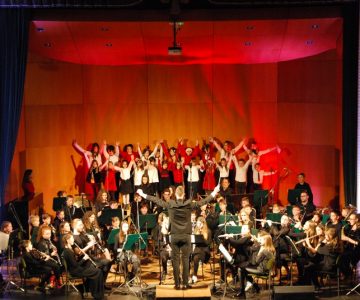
point(240, 175)
point(4, 241)
point(258, 176)
point(152, 173)
point(125, 173)
point(88, 155)
point(138, 174)
point(193, 173)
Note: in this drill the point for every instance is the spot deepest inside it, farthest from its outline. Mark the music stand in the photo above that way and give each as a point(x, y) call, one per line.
point(108, 214)
point(58, 203)
point(224, 219)
point(294, 196)
point(112, 236)
point(147, 221)
point(275, 217)
point(233, 230)
point(130, 243)
point(293, 249)
point(260, 199)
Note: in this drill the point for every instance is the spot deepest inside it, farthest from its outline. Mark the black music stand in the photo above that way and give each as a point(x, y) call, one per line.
point(58, 203)
point(260, 199)
point(293, 250)
point(107, 214)
point(147, 221)
point(294, 196)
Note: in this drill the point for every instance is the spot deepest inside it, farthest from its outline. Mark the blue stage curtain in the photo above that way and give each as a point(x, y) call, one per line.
point(14, 24)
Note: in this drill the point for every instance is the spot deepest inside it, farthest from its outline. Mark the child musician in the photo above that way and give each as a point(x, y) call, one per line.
point(201, 252)
point(124, 257)
point(40, 263)
point(45, 246)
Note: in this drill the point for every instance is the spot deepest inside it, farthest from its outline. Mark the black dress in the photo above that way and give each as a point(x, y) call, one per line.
point(84, 268)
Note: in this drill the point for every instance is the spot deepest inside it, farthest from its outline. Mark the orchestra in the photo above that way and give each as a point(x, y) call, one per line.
point(97, 239)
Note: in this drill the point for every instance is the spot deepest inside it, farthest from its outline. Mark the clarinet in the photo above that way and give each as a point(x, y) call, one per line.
point(41, 255)
point(52, 247)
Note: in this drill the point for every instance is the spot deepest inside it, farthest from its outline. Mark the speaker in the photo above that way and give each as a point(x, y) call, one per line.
point(294, 292)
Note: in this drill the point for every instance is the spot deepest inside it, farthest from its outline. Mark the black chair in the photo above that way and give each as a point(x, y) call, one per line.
point(25, 273)
point(265, 275)
point(335, 273)
point(70, 280)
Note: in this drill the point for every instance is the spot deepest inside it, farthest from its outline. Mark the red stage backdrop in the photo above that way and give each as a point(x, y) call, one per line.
point(295, 104)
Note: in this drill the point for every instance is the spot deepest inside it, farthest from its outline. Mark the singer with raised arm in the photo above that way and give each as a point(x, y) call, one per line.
point(180, 229)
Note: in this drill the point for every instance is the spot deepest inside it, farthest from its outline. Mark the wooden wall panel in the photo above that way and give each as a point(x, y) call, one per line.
point(307, 123)
point(124, 122)
point(113, 85)
point(53, 83)
point(187, 120)
point(48, 126)
point(180, 84)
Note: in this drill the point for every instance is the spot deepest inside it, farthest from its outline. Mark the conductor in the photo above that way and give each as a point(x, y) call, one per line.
point(180, 229)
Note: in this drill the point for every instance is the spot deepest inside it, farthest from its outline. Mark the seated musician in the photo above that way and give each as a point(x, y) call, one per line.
point(83, 240)
point(297, 217)
point(306, 254)
point(307, 207)
point(45, 246)
point(79, 265)
point(242, 249)
point(261, 263)
point(317, 218)
point(351, 238)
point(244, 218)
point(334, 222)
point(40, 263)
point(281, 244)
point(64, 228)
point(164, 242)
point(59, 218)
point(251, 212)
point(46, 220)
point(201, 252)
point(93, 230)
point(69, 208)
point(329, 249)
point(126, 257)
point(102, 202)
point(34, 223)
point(226, 192)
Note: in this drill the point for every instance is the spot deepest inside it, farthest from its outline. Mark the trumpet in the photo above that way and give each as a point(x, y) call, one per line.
point(310, 237)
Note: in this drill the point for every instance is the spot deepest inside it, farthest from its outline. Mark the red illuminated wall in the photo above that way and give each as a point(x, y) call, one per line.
point(295, 104)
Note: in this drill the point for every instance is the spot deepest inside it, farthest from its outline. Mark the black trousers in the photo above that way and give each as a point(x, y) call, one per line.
point(181, 243)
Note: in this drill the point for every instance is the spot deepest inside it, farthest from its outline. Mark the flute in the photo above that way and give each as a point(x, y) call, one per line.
point(264, 220)
point(84, 253)
point(310, 237)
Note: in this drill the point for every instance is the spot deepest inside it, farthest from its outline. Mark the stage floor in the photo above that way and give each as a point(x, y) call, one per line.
point(150, 278)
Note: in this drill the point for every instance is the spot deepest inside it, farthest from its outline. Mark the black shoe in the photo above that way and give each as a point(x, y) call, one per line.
point(108, 288)
point(186, 286)
point(256, 288)
point(177, 287)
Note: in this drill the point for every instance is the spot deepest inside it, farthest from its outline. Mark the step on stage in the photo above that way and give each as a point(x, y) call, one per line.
point(164, 292)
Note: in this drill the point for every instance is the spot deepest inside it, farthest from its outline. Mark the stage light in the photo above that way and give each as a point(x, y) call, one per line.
point(108, 44)
point(309, 42)
point(47, 45)
point(248, 43)
point(40, 29)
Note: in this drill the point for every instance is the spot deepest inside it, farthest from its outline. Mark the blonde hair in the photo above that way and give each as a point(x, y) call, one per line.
point(204, 230)
point(268, 243)
point(179, 192)
point(32, 218)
